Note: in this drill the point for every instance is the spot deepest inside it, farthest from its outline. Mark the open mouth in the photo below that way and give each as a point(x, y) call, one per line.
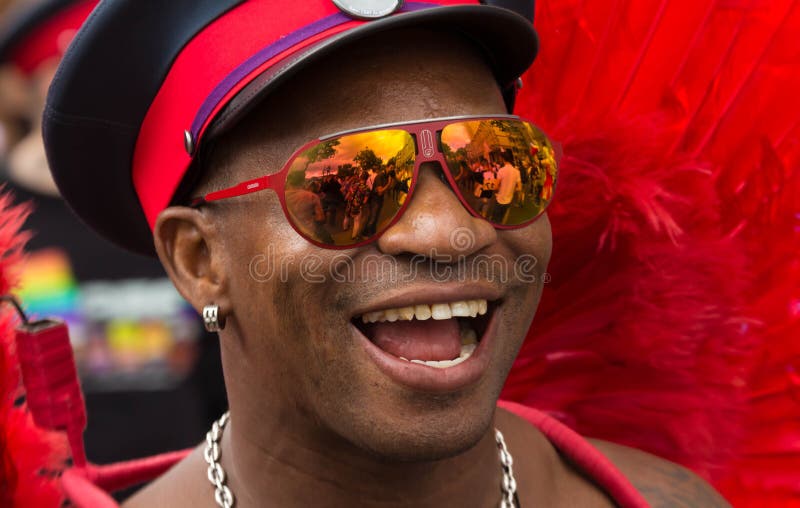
point(438, 335)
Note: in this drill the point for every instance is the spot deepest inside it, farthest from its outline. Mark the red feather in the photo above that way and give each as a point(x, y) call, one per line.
point(30, 459)
point(671, 319)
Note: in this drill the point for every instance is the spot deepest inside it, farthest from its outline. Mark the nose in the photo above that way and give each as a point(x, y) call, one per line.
point(435, 223)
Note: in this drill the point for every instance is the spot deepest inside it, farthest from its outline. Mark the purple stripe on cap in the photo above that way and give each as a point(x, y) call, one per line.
point(270, 51)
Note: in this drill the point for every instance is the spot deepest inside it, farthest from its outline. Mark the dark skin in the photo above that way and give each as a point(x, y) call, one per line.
point(313, 421)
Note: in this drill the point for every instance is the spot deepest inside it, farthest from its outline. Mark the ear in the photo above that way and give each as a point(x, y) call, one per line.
point(188, 245)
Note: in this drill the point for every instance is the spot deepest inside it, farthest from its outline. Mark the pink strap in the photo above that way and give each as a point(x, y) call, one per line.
point(82, 492)
point(86, 487)
point(585, 456)
point(120, 475)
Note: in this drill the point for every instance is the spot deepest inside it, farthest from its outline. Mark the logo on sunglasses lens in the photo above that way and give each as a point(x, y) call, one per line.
point(368, 9)
point(426, 143)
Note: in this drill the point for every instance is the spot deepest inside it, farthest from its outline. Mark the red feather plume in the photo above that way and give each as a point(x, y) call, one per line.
point(671, 319)
point(30, 459)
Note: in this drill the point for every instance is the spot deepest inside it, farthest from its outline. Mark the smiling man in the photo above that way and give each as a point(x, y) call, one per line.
point(210, 132)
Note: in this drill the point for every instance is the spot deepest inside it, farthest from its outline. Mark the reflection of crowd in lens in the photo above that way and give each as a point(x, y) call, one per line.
point(497, 184)
point(349, 201)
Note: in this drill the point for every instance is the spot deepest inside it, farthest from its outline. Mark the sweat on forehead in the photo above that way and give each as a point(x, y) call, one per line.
point(395, 76)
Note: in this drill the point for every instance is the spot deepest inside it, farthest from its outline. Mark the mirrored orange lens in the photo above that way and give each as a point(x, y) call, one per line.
point(345, 190)
point(505, 170)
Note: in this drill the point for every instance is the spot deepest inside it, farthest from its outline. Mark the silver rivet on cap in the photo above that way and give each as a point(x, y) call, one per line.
point(188, 143)
point(519, 83)
point(368, 9)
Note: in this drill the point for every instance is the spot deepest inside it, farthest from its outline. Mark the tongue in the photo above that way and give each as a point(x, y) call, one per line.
point(418, 340)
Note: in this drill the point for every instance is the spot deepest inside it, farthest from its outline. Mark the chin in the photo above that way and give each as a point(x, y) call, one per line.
point(418, 427)
point(422, 444)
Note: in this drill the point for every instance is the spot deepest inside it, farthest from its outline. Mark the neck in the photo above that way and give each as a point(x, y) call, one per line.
point(270, 463)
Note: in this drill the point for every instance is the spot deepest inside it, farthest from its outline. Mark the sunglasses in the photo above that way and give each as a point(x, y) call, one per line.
point(346, 189)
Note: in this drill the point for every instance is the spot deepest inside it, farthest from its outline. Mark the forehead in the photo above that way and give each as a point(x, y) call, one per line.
point(392, 77)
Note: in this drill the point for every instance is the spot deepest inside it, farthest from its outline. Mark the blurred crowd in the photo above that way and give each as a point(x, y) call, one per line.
point(141, 351)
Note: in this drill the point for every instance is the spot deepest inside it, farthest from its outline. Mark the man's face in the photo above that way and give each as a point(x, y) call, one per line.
point(302, 352)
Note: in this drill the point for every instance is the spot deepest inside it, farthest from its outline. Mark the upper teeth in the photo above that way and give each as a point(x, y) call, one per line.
point(463, 308)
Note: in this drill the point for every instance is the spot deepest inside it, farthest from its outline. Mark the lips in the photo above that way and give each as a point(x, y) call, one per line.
point(438, 346)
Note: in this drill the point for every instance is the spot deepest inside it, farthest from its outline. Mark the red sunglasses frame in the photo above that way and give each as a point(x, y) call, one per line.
point(426, 136)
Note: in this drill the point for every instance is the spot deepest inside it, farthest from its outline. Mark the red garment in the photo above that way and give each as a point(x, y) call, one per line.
point(84, 487)
point(583, 455)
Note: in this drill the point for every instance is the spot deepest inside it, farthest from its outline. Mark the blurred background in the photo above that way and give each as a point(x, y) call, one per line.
point(150, 373)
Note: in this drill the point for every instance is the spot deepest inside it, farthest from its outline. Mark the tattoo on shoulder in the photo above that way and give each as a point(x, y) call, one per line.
point(669, 485)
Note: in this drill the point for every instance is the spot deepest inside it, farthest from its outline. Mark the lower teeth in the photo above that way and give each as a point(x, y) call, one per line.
point(466, 352)
point(469, 341)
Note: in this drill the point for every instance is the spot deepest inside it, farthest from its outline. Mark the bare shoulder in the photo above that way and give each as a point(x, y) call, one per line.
point(180, 486)
point(661, 482)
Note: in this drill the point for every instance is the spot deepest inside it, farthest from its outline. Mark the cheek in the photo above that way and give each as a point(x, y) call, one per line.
point(260, 244)
point(533, 246)
point(531, 251)
point(288, 321)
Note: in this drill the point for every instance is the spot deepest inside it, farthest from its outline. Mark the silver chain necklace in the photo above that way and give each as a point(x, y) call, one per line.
point(224, 497)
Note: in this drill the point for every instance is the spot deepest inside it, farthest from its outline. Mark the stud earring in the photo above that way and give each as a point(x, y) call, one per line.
point(211, 318)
